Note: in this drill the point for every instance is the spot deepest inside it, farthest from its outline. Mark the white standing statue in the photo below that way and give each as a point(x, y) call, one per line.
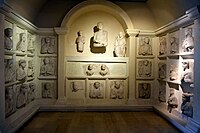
point(21, 74)
point(100, 36)
point(8, 42)
point(188, 43)
point(120, 45)
point(80, 41)
point(21, 45)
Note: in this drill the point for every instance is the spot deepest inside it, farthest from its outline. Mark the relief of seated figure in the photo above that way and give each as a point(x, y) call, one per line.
point(9, 101)
point(144, 68)
point(21, 45)
point(96, 91)
point(48, 45)
point(8, 42)
point(21, 97)
point(21, 74)
point(172, 100)
point(31, 71)
point(117, 90)
point(120, 45)
point(187, 105)
point(31, 92)
point(144, 90)
point(10, 71)
point(162, 70)
point(100, 36)
point(145, 47)
point(48, 67)
point(188, 42)
point(47, 90)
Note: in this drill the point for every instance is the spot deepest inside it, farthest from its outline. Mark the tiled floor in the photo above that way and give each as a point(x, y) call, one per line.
point(98, 122)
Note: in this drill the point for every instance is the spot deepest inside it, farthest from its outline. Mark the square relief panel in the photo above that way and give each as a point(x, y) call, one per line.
point(145, 69)
point(96, 89)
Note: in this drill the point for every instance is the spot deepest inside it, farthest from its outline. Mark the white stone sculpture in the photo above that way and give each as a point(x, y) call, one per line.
point(145, 47)
point(48, 90)
point(76, 86)
point(173, 72)
point(144, 68)
point(47, 67)
point(117, 90)
point(8, 42)
point(22, 96)
point(90, 69)
point(31, 70)
point(21, 74)
point(31, 92)
point(173, 45)
point(9, 101)
point(187, 104)
point(21, 45)
point(100, 36)
point(80, 41)
point(188, 43)
point(172, 100)
point(48, 45)
point(96, 90)
point(144, 90)
point(163, 46)
point(162, 70)
point(120, 45)
point(31, 43)
point(10, 71)
point(104, 70)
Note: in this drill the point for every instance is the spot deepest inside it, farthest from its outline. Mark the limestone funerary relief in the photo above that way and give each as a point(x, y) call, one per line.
point(80, 41)
point(48, 90)
point(8, 42)
point(10, 71)
point(96, 90)
point(144, 90)
point(21, 95)
point(21, 73)
point(173, 72)
point(162, 92)
point(187, 104)
point(117, 89)
point(163, 46)
point(21, 45)
point(96, 69)
point(174, 47)
point(120, 45)
point(162, 70)
point(76, 86)
point(144, 68)
point(31, 43)
point(103, 70)
point(172, 100)
point(188, 42)
point(9, 101)
point(48, 45)
point(145, 46)
point(31, 92)
point(48, 67)
point(31, 68)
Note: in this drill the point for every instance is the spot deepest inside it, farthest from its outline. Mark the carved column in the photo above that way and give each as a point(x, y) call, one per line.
point(2, 89)
point(61, 32)
point(132, 61)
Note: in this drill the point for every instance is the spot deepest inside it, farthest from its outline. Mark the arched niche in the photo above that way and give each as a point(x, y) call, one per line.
point(85, 16)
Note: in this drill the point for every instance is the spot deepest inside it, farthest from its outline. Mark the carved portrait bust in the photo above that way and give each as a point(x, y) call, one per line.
point(8, 42)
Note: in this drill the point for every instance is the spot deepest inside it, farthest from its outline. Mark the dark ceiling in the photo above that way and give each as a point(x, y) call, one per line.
point(128, 0)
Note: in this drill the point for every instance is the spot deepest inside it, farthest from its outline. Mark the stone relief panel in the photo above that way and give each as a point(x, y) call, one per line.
point(96, 69)
point(96, 89)
point(120, 45)
point(31, 92)
point(145, 46)
point(31, 43)
point(21, 95)
point(10, 71)
point(21, 72)
point(187, 104)
point(117, 89)
point(48, 45)
point(144, 68)
point(173, 71)
point(9, 101)
point(163, 46)
point(48, 67)
point(144, 90)
point(162, 70)
point(172, 101)
point(174, 45)
point(8, 42)
point(48, 90)
point(76, 86)
point(188, 41)
point(80, 41)
point(31, 68)
point(21, 45)
point(162, 92)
